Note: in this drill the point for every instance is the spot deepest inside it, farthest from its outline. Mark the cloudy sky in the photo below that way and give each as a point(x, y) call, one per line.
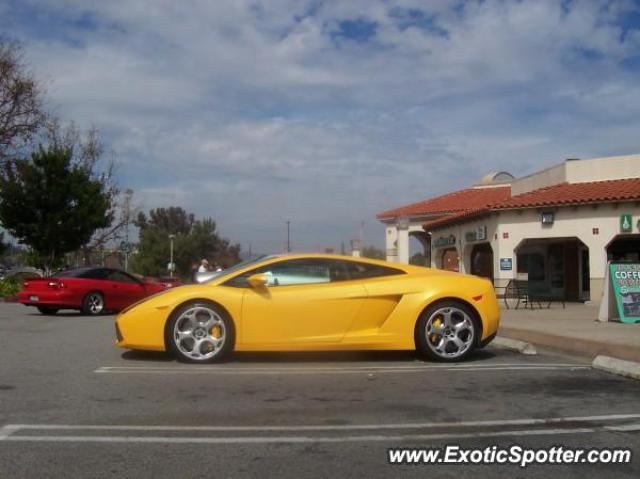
point(327, 112)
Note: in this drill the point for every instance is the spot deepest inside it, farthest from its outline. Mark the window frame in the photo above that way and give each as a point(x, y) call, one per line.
point(133, 279)
point(344, 263)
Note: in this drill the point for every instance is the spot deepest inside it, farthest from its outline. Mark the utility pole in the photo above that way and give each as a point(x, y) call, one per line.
point(127, 217)
point(288, 238)
point(171, 268)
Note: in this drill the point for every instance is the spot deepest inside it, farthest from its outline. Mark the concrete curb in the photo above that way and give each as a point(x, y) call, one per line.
point(588, 348)
point(620, 367)
point(514, 345)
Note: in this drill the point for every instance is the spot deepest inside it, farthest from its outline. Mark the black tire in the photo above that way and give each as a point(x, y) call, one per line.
point(191, 320)
point(47, 310)
point(447, 331)
point(93, 303)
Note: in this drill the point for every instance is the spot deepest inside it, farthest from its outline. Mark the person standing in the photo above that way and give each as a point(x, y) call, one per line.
point(204, 266)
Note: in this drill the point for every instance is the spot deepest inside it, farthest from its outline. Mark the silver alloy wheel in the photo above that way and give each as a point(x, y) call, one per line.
point(450, 332)
point(199, 333)
point(96, 303)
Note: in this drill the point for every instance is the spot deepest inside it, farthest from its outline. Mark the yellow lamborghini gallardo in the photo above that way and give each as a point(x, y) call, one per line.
point(313, 302)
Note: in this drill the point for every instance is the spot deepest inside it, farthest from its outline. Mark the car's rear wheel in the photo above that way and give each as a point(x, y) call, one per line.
point(447, 331)
point(47, 310)
point(200, 332)
point(93, 303)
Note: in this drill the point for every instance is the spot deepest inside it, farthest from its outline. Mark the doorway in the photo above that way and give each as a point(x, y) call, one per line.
point(482, 261)
point(450, 260)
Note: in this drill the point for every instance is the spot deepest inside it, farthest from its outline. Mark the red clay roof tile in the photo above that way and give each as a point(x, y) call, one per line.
point(606, 191)
point(455, 202)
point(575, 193)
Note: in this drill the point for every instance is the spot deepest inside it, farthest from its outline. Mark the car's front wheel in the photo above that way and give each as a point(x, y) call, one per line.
point(447, 331)
point(200, 332)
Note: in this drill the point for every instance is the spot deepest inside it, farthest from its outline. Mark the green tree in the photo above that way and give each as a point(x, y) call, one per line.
point(372, 252)
point(193, 240)
point(52, 203)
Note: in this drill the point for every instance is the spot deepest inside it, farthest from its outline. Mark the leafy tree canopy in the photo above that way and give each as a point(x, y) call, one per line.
point(52, 203)
point(193, 240)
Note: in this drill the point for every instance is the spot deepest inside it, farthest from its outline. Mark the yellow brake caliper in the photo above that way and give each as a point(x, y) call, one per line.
point(215, 332)
point(436, 324)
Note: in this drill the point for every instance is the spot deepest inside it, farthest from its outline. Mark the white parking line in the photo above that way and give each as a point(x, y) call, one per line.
point(625, 427)
point(307, 370)
point(328, 427)
point(574, 425)
point(294, 439)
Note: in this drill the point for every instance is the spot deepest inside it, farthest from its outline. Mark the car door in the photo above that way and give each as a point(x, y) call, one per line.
point(306, 301)
point(123, 289)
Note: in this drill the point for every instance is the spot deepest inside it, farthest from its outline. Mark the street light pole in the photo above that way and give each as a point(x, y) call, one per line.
point(171, 255)
point(288, 238)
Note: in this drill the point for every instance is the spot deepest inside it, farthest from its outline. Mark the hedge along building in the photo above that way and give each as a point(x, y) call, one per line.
point(558, 226)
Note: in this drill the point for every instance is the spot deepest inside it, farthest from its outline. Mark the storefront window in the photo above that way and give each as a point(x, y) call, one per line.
point(532, 264)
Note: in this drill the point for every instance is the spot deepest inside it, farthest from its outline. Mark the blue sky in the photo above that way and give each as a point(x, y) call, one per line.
point(324, 113)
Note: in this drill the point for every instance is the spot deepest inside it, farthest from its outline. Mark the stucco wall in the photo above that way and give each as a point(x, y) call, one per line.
point(613, 168)
point(570, 222)
point(580, 171)
point(550, 176)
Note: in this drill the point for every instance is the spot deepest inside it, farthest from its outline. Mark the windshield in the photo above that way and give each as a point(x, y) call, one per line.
point(237, 267)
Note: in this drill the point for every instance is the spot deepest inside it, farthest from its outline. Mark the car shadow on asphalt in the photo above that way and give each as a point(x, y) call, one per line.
point(312, 357)
point(71, 314)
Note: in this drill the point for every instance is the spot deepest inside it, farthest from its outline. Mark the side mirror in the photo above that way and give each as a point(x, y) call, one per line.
point(259, 280)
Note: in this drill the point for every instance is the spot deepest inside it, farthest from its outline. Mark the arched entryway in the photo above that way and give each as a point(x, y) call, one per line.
point(482, 260)
point(560, 266)
point(451, 259)
point(625, 247)
point(419, 248)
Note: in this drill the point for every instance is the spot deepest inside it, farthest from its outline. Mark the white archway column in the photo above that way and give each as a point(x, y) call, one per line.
point(403, 244)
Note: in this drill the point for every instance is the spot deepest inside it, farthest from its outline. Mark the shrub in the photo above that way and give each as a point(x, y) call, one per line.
point(9, 287)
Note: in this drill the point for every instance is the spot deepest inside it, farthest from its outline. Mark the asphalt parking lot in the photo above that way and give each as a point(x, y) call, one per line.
point(73, 405)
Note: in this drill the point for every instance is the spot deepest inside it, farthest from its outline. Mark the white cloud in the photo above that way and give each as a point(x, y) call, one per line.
point(255, 113)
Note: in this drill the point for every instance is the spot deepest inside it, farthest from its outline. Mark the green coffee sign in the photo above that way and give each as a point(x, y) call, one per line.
point(625, 279)
point(626, 224)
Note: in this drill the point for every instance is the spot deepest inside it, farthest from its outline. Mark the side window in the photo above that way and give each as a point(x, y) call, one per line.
point(297, 272)
point(97, 273)
point(121, 277)
point(364, 270)
point(288, 273)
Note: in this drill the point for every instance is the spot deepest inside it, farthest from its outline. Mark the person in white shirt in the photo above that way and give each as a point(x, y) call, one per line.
point(204, 266)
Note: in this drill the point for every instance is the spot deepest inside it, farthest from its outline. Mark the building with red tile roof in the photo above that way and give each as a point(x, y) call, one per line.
point(556, 227)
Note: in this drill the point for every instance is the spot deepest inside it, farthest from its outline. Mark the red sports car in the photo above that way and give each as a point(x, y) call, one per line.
point(91, 290)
